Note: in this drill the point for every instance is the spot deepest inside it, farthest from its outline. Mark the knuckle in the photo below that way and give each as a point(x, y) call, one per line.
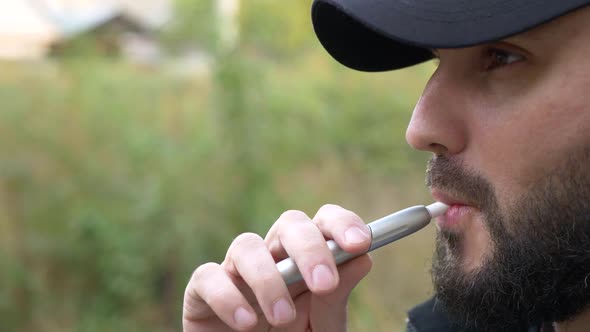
point(248, 238)
point(203, 271)
point(326, 207)
point(294, 215)
point(217, 295)
point(241, 243)
point(330, 214)
point(289, 231)
point(352, 217)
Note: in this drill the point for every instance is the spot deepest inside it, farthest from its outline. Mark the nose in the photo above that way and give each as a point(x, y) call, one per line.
point(438, 123)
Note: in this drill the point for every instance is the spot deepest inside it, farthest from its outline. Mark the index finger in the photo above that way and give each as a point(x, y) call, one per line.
point(345, 227)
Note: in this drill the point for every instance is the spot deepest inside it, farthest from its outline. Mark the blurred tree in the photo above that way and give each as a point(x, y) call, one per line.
point(194, 24)
point(276, 28)
point(227, 24)
point(281, 28)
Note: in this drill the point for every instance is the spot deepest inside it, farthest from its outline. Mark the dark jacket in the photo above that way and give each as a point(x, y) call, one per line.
point(428, 317)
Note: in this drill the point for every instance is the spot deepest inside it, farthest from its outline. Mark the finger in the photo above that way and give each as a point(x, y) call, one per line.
point(345, 227)
point(249, 258)
point(301, 323)
point(211, 293)
point(272, 239)
point(306, 245)
point(351, 273)
point(329, 312)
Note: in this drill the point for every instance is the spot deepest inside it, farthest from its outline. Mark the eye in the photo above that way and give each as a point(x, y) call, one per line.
point(496, 58)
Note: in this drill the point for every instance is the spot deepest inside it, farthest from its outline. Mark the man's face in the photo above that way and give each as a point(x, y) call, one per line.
point(509, 126)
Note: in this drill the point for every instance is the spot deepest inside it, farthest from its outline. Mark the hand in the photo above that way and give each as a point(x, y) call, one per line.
point(246, 292)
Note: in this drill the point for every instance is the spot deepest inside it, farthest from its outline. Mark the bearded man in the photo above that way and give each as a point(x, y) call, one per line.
point(506, 116)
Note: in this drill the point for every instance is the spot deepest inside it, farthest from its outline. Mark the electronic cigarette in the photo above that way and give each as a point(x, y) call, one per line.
point(383, 231)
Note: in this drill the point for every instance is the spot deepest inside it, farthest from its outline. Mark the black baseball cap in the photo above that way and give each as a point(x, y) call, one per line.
point(380, 35)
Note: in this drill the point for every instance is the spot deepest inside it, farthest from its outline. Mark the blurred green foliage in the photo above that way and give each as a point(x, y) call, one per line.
point(117, 181)
point(281, 28)
point(194, 23)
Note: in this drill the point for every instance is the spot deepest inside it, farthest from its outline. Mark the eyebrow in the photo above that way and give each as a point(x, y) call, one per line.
point(530, 36)
point(524, 39)
point(521, 38)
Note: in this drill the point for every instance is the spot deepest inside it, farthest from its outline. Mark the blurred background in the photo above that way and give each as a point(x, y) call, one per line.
point(139, 137)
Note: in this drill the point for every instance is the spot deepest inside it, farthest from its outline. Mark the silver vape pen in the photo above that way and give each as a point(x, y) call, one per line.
point(383, 231)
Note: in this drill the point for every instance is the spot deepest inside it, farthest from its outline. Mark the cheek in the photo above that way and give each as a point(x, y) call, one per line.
point(518, 143)
point(557, 127)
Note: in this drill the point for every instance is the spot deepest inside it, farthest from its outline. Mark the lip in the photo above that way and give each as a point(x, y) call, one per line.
point(459, 213)
point(448, 198)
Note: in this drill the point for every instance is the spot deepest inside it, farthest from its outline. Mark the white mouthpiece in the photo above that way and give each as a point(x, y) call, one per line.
point(437, 209)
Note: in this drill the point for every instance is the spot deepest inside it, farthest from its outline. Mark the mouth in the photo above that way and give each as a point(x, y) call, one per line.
point(459, 214)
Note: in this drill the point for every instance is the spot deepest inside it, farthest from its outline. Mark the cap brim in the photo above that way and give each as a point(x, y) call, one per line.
point(380, 35)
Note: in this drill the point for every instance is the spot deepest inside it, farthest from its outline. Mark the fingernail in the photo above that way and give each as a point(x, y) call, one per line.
point(243, 317)
point(322, 277)
point(355, 235)
point(282, 311)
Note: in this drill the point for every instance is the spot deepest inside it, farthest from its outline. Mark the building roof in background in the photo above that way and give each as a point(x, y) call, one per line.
point(67, 17)
point(76, 16)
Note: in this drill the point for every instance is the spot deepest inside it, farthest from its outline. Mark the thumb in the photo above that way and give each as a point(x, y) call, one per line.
point(329, 312)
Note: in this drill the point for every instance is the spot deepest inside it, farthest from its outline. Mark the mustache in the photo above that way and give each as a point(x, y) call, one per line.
point(452, 177)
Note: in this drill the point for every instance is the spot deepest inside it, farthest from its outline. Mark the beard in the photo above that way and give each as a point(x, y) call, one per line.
point(538, 265)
